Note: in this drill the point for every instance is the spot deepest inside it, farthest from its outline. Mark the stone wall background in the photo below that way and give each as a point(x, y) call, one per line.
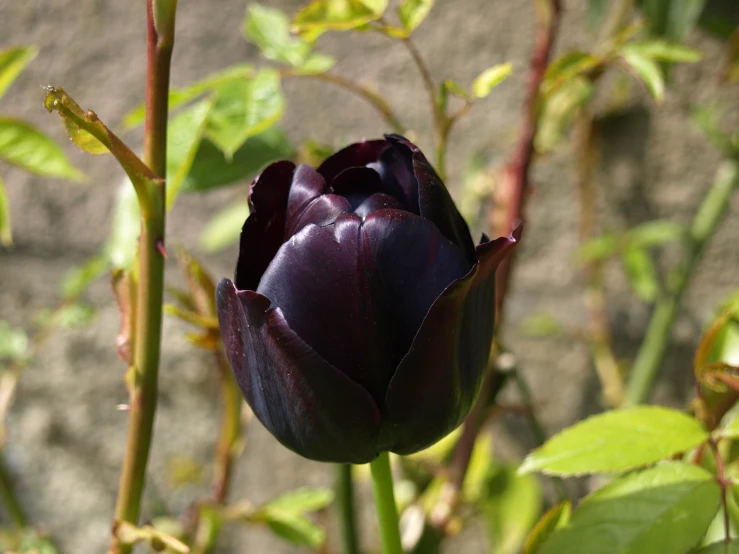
point(65, 436)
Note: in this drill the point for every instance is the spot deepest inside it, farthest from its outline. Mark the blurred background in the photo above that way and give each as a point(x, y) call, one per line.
point(64, 436)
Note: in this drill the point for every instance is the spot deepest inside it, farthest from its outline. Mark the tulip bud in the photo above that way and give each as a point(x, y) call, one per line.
point(361, 316)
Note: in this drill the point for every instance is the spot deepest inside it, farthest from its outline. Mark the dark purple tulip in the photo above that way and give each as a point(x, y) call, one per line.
point(361, 316)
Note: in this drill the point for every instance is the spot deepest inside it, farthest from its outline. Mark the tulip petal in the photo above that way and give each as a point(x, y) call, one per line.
point(378, 201)
point(307, 404)
point(356, 184)
point(264, 229)
point(354, 155)
point(320, 211)
point(434, 200)
point(307, 185)
point(437, 382)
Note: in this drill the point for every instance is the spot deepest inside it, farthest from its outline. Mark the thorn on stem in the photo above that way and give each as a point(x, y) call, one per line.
point(162, 250)
point(123, 407)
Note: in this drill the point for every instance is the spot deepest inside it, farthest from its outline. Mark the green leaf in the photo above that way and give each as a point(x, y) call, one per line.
point(302, 500)
point(511, 504)
point(556, 517)
point(672, 19)
point(184, 134)
point(28, 148)
point(454, 88)
point(665, 510)
point(244, 108)
point(13, 342)
point(654, 233)
point(648, 71)
point(559, 111)
point(720, 548)
point(316, 63)
point(269, 29)
point(120, 247)
point(490, 78)
point(294, 528)
point(336, 15)
point(413, 12)
point(12, 63)
point(662, 51)
point(566, 67)
point(479, 468)
point(599, 248)
point(211, 169)
point(618, 440)
point(225, 227)
point(641, 273)
point(180, 97)
point(6, 237)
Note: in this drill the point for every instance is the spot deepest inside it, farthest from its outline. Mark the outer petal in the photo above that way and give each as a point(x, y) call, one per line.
point(354, 155)
point(437, 382)
point(305, 402)
point(307, 185)
point(434, 200)
point(263, 231)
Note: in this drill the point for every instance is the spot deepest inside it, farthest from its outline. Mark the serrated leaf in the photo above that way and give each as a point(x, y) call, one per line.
point(302, 500)
point(510, 505)
point(672, 19)
point(6, 236)
point(335, 15)
point(211, 169)
point(720, 548)
point(12, 62)
point(269, 29)
point(615, 441)
point(665, 509)
point(554, 518)
point(28, 148)
point(13, 342)
point(244, 108)
point(663, 51)
point(180, 97)
point(294, 528)
point(224, 228)
point(648, 71)
point(654, 233)
point(184, 133)
point(490, 78)
point(413, 12)
point(641, 273)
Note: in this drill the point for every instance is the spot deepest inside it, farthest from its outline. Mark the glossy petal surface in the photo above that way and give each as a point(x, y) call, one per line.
point(354, 155)
point(305, 402)
point(263, 231)
point(369, 284)
point(437, 381)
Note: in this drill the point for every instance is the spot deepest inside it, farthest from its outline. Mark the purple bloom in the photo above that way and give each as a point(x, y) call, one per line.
point(361, 316)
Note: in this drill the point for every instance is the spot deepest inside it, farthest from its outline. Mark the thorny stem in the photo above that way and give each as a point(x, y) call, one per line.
point(346, 508)
point(387, 512)
point(363, 92)
point(654, 347)
point(149, 299)
point(605, 362)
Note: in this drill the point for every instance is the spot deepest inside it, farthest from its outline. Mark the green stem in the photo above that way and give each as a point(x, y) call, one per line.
point(652, 352)
point(148, 327)
point(387, 512)
point(346, 509)
point(10, 500)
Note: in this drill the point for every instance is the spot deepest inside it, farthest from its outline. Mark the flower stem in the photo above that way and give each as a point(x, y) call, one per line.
point(148, 327)
point(346, 510)
point(387, 512)
point(652, 351)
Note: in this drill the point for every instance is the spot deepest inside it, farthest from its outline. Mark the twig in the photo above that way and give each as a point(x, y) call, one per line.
point(599, 335)
point(654, 347)
point(363, 92)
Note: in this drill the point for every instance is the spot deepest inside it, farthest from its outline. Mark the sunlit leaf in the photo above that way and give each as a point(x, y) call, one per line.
point(413, 12)
point(302, 500)
point(490, 78)
point(641, 272)
point(184, 134)
point(211, 169)
point(294, 528)
point(567, 67)
point(648, 71)
point(662, 51)
point(559, 111)
point(225, 227)
point(618, 440)
point(719, 344)
point(665, 510)
point(13, 342)
point(6, 237)
point(654, 233)
point(479, 468)
point(180, 97)
point(511, 503)
point(720, 548)
point(269, 29)
point(26, 147)
point(12, 63)
point(336, 15)
point(454, 88)
point(556, 517)
point(244, 108)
